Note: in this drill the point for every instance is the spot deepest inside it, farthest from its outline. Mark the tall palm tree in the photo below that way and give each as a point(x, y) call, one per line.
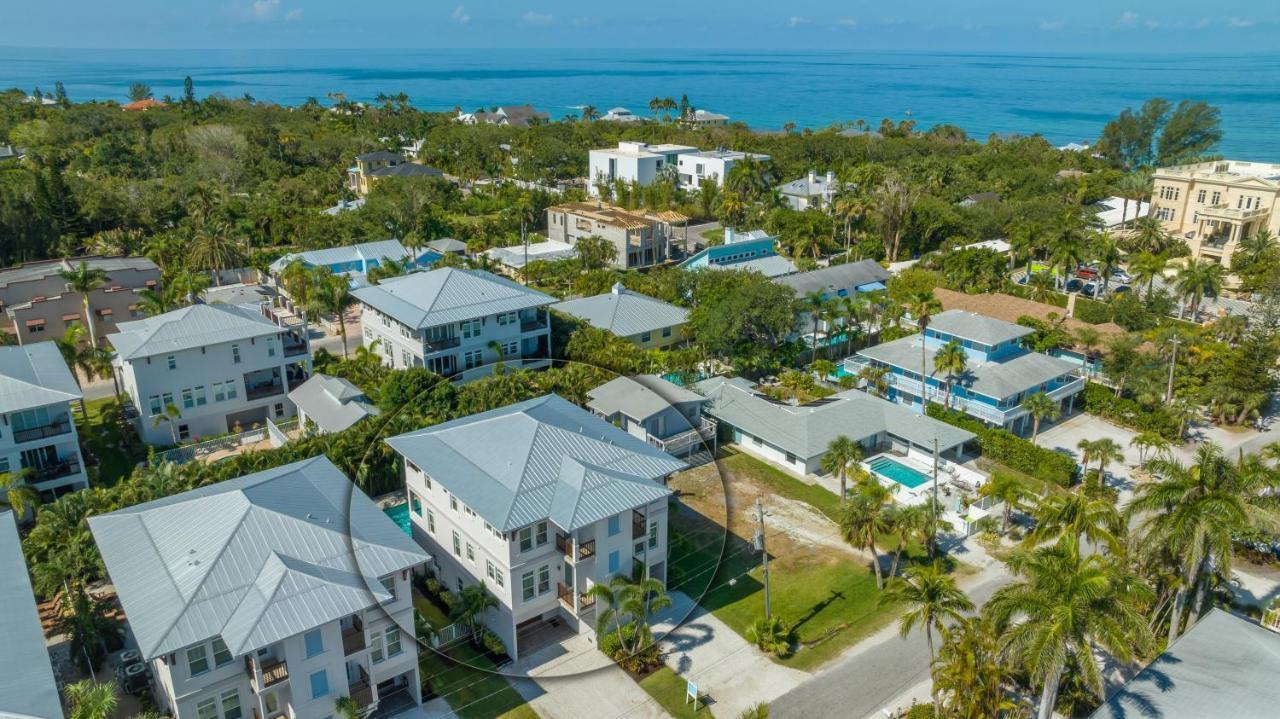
point(473, 602)
point(170, 415)
point(877, 378)
point(1040, 407)
point(20, 496)
point(589, 113)
point(1150, 442)
point(969, 675)
point(330, 294)
point(1073, 515)
point(1065, 254)
point(862, 520)
point(816, 304)
point(214, 248)
point(931, 598)
point(952, 362)
point(922, 306)
point(1150, 236)
point(1106, 451)
point(628, 602)
point(1195, 280)
point(1007, 489)
point(1106, 253)
point(1041, 286)
point(908, 521)
point(1062, 607)
point(83, 280)
point(1146, 268)
point(91, 700)
point(1086, 339)
point(842, 453)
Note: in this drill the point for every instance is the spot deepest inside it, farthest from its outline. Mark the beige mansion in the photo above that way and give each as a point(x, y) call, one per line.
point(1213, 205)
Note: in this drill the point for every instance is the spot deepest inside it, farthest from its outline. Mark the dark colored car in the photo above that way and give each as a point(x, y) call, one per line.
point(1074, 285)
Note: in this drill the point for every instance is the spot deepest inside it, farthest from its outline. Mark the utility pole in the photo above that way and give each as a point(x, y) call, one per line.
point(764, 557)
point(1173, 362)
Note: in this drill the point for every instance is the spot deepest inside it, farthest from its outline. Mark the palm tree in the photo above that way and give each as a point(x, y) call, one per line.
point(1073, 515)
point(628, 602)
point(952, 362)
point(862, 520)
point(387, 268)
point(922, 306)
point(1146, 268)
point(1197, 279)
point(1086, 338)
point(83, 280)
point(1107, 256)
point(1041, 286)
point(816, 303)
point(1151, 442)
point(931, 596)
point(842, 453)
point(171, 415)
point(1040, 407)
point(1106, 451)
point(1006, 488)
point(969, 675)
point(91, 700)
point(473, 602)
point(1150, 236)
point(907, 521)
point(1064, 606)
point(589, 113)
point(330, 294)
point(214, 249)
point(1065, 255)
point(20, 496)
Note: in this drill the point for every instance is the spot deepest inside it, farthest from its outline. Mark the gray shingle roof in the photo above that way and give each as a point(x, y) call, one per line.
point(848, 277)
point(407, 169)
point(976, 327)
point(253, 560)
point(27, 686)
point(34, 375)
point(333, 403)
point(993, 379)
point(427, 299)
point(1223, 666)
point(639, 397)
point(380, 155)
point(624, 313)
point(805, 431)
point(48, 268)
point(188, 328)
point(382, 249)
point(544, 458)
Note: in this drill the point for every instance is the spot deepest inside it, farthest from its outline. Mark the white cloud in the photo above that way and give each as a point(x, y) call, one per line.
point(1051, 25)
point(797, 21)
point(584, 21)
point(460, 16)
point(268, 11)
point(1128, 18)
point(847, 22)
point(265, 9)
point(1240, 22)
point(536, 18)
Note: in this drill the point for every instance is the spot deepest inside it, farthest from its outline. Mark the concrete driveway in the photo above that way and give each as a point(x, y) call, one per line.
point(728, 669)
point(570, 679)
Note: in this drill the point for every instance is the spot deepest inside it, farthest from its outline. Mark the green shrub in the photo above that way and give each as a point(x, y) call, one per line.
point(1093, 312)
point(921, 711)
point(1126, 412)
point(492, 642)
point(1007, 448)
point(646, 657)
point(773, 636)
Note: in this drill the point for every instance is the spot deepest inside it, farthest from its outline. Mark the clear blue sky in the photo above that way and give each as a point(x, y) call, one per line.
point(1226, 26)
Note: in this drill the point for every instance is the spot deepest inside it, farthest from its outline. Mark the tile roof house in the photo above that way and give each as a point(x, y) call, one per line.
point(38, 432)
point(640, 238)
point(644, 321)
point(27, 687)
point(330, 404)
point(564, 495)
point(287, 574)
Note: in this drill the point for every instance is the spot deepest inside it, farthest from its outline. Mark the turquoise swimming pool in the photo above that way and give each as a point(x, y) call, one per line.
point(400, 515)
point(898, 472)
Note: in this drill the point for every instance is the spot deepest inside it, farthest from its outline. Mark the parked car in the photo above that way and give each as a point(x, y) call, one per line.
point(1121, 276)
point(1119, 289)
point(1074, 285)
point(1087, 273)
point(1090, 289)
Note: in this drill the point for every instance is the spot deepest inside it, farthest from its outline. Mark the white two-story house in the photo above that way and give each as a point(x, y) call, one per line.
point(271, 595)
point(37, 431)
point(456, 322)
point(539, 500)
point(205, 370)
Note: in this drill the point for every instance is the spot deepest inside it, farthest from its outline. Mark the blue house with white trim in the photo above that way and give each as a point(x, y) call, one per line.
point(754, 250)
point(355, 261)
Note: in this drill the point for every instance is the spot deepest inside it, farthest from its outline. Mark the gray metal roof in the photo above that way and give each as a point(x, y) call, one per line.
point(47, 268)
point(333, 403)
point(639, 397)
point(27, 686)
point(382, 249)
point(34, 375)
point(623, 312)
point(407, 169)
point(253, 560)
point(998, 380)
point(544, 458)
point(830, 280)
point(806, 430)
point(770, 266)
point(380, 155)
point(427, 299)
point(447, 244)
point(1224, 666)
point(978, 328)
point(189, 327)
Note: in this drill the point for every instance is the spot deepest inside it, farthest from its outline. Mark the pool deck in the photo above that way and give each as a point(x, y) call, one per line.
point(956, 482)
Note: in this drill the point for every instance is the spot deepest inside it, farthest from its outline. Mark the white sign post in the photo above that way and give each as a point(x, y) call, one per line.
point(691, 692)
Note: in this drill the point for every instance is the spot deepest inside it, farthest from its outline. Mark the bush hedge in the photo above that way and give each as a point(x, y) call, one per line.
point(1007, 448)
point(1126, 412)
point(1093, 312)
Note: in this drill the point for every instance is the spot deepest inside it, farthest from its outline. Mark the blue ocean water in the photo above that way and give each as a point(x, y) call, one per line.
point(1064, 97)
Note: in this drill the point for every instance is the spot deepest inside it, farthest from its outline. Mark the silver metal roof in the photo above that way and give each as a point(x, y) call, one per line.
point(979, 328)
point(253, 560)
point(1223, 666)
point(770, 266)
point(34, 375)
point(333, 403)
point(447, 244)
point(27, 686)
point(806, 430)
point(830, 280)
point(624, 313)
point(639, 397)
point(544, 458)
point(382, 249)
point(190, 327)
point(48, 268)
point(995, 379)
point(427, 299)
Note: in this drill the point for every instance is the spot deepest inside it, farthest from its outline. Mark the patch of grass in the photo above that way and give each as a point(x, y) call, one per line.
point(669, 690)
point(429, 611)
point(112, 442)
point(464, 676)
point(752, 469)
point(1035, 485)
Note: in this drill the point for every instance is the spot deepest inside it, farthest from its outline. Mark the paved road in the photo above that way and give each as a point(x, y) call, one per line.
point(875, 672)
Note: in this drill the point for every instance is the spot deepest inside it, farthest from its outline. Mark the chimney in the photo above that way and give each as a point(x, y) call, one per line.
point(617, 288)
point(728, 235)
point(831, 177)
point(813, 177)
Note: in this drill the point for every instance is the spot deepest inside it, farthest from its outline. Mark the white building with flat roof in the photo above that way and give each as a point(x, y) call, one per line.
point(38, 434)
point(631, 162)
point(694, 167)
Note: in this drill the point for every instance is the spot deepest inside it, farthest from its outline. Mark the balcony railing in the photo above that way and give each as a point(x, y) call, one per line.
point(638, 528)
point(443, 343)
point(53, 429)
point(264, 390)
point(360, 690)
point(353, 638)
point(585, 550)
point(529, 324)
point(272, 672)
point(293, 349)
point(677, 443)
point(65, 468)
point(585, 601)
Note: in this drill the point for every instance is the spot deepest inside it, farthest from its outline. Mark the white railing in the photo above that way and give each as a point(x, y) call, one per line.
point(279, 433)
point(189, 452)
point(703, 433)
point(452, 634)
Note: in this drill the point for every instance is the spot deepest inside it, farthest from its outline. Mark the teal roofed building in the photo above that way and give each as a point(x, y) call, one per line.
point(754, 250)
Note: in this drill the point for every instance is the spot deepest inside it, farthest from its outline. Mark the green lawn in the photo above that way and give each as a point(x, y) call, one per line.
point(750, 468)
point(669, 689)
point(115, 445)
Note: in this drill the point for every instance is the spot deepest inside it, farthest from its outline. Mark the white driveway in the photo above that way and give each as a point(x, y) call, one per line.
point(572, 680)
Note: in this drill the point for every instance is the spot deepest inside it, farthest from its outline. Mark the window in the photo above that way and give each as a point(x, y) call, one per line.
point(201, 399)
point(653, 533)
point(646, 336)
point(431, 521)
point(510, 349)
point(279, 409)
point(166, 399)
point(526, 586)
point(507, 318)
point(472, 359)
point(235, 354)
point(207, 709)
point(406, 358)
point(172, 362)
point(4, 464)
point(471, 553)
point(1201, 195)
point(154, 405)
point(666, 331)
point(319, 684)
point(614, 527)
point(542, 533)
point(453, 503)
point(393, 642)
point(638, 549)
point(389, 584)
point(470, 328)
point(271, 346)
point(488, 568)
point(197, 660)
point(314, 642)
point(1217, 196)
point(544, 579)
point(221, 655)
point(231, 704)
point(188, 399)
point(457, 544)
point(614, 562)
point(376, 648)
point(415, 504)
point(497, 577)
point(526, 539)
point(36, 328)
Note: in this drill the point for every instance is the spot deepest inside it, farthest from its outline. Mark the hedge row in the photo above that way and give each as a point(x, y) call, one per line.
point(1126, 412)
point(1007, 448)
